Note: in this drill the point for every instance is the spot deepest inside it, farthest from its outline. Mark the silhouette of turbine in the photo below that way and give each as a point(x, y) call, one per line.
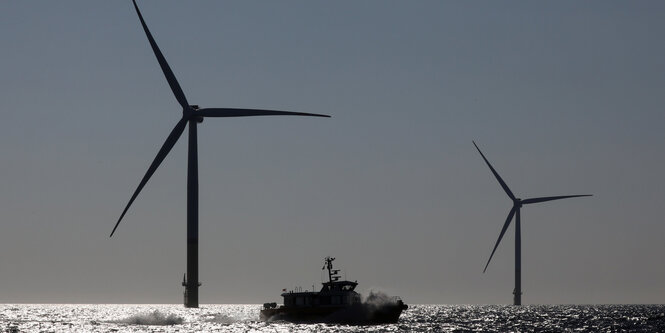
point(515, 211)
point(192, 115)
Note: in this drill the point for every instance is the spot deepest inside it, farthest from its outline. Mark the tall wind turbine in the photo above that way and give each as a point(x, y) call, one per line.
point(515, 211)
point(191, 115)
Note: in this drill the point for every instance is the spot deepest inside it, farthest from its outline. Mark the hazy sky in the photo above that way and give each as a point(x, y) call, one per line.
point(564, 97)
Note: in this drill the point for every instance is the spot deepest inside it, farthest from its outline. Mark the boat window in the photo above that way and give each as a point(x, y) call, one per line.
point(288, 301)
point(347, 287)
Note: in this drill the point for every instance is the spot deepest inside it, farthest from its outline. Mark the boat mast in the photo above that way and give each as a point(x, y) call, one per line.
point(332, 273)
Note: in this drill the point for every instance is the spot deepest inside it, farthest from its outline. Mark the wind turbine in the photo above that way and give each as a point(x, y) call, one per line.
point(191, 115)
point(515, 211)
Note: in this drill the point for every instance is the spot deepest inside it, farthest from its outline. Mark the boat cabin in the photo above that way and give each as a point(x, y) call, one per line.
point(333, 292)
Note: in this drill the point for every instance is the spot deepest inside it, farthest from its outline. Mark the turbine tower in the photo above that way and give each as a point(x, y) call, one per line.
point(191, 115)
point(515, 211)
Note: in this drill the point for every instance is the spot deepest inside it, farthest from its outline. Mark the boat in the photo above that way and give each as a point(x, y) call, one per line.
point(336, 303)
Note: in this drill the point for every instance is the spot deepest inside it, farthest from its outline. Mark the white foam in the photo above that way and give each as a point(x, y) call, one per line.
point(152, 318)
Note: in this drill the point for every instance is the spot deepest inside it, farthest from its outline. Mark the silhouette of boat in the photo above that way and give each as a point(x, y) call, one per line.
point(336, 302)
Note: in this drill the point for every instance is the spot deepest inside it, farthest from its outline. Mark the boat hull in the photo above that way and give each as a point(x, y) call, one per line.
point(357, 314)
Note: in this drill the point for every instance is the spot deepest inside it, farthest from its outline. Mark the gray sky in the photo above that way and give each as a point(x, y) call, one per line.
point(563, 98)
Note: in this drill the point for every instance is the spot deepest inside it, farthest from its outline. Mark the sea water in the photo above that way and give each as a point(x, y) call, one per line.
point(245, 318)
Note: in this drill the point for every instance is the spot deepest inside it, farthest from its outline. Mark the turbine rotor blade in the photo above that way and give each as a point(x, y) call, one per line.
point(166, 148)
point(503, 231)
point(233, 112)
point(543, 199)
point(496, 175)
point(173, 83)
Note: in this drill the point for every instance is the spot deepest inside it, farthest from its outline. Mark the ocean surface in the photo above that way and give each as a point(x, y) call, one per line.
point(244, 318)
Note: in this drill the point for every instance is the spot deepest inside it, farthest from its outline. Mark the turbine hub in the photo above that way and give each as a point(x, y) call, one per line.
point(191, 113)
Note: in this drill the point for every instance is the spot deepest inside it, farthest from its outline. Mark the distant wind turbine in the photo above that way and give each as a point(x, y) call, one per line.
point(192, 115)
point(517, 205)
